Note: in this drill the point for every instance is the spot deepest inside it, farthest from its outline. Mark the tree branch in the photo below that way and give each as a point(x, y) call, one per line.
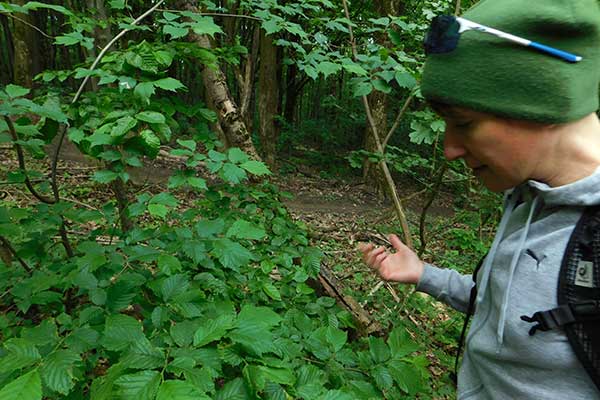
point(6, 244)
point(383, 165)
point(28, 24)
point(21, 158)
point(398, 119)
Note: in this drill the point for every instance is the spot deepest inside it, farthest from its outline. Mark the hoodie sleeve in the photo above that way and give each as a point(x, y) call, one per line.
point(446, 285)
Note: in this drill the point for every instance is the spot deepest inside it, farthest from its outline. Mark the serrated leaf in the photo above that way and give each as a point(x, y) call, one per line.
point(143, 355)
point(16, 91)
point(237, 156)
point(168, 264)
point(122, 126)
point(380, 352)
point(120, 331)
point(328, 68)
point(142, 385)
point(57, 370)
point(400, 343)
point(231, 254)
point(158, 210)
point(151, 117)
point(151, 142)
point(355, 69)
point(205, 26)
point(213, 329)
point(170, 84)
point(105, 176)
point(25, 387)
point(144, 91)
point(232, 173)
point(405, 80)
point(179, 390)
point(175, 31)
point(174, 286)
point(256, 168)
point(246, 230)
point(19, 354)
point(363, 89)
point(382, 86)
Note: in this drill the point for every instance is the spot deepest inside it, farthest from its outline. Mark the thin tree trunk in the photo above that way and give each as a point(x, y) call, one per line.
point(218, 94)
point(9, 49)
point(371, 173)
point(268, 98)
point(26, 54)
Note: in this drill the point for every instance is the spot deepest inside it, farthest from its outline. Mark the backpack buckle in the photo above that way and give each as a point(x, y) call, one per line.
point(550, 319)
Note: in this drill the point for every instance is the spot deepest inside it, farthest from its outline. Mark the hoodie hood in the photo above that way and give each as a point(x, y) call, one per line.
point(584, 192)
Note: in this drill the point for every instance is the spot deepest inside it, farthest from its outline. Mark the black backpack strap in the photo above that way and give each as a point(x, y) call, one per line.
point(469, 313)
point(569, 313)
point(578, 311)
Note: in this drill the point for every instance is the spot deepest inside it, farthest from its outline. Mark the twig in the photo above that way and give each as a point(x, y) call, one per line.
point(12, 250)
point(457, 9)
point(217, 14)
point(21, 158)
point(398, 119)
point(382, 163)
point(434, 192)
point(27, 23)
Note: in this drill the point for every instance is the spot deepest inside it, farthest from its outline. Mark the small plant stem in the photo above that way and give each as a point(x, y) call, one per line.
point(383, 165)
point(6, 244)
point(433, 194)
point(27, 23)
point(398, 119)
point(21, 158)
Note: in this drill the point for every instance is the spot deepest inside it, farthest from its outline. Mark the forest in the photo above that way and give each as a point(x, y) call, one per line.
point(183, 188)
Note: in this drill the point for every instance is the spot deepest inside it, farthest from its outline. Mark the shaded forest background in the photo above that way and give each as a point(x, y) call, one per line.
point(200, 282)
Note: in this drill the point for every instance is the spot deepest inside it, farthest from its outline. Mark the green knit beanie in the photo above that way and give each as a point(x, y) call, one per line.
point(489, 74)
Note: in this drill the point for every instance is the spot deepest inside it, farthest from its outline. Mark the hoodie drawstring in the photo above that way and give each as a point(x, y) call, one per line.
point(511, 273)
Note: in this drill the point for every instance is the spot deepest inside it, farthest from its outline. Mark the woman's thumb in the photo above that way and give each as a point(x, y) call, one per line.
point(396, 242)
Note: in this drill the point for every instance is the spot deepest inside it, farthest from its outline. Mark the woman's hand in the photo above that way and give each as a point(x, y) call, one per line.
point(402, 266)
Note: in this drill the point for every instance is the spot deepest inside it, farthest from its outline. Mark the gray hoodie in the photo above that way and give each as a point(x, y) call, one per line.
point(519, 277)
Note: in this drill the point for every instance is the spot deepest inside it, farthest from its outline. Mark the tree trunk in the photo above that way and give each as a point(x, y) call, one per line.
point(7, 52)
point(26, 51)
point(268, 98)
point(218, 95)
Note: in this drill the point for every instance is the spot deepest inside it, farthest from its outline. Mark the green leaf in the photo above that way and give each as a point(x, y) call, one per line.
point(121, 331)
point(380, 352)
point(188, 144)
point(231, 254)
point(272, 291)
point(328, 68)
point(57, 370)
point(262, 316)
point(151, 141)
point(336, 337)
point(122, 126)
point(26, 387)
point(382, 86)
point(384, 21)
point(105, 176)
point(15, 91)
point(170, 84)
point(237, 156)
point(246, 230)
point(421, 133)
point(19, 354)
point(168, 264)
point(256, 168)
point(174, 286)
point(179, 390)
point(34, 5)
point(363, 89)
point(140, 386)
point(400, 343)
point(143, 355)
point(213, 329)
point(355, 69)
point(151, 117)
point(206, 26)
point(158, 210)
point(144, 91)
point(175, 31)
point(233, 390)
point(405, 80)
point(232, 173)
point(383, 377)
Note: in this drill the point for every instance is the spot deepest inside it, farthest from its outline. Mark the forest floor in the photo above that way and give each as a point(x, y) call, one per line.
point(339, 213)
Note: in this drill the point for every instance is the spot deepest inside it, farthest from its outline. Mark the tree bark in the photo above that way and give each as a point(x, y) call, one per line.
point(268, 98)
point(7, 51)
point(218, 95)
point(26, 51)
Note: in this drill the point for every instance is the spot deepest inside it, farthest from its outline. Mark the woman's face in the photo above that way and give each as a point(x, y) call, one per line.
point(501, 152)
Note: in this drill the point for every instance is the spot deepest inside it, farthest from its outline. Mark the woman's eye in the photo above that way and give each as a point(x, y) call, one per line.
point(462, 124)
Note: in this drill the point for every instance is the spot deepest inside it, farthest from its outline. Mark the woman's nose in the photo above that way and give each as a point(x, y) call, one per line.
point(453, 148)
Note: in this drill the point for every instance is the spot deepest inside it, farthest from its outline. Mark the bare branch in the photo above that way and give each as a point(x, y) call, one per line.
point(28, 24)
point(398, 119)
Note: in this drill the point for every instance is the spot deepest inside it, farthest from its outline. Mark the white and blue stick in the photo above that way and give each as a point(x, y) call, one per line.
point(466, 25)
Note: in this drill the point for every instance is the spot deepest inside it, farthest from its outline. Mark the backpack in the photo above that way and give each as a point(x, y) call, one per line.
point(578, 312)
